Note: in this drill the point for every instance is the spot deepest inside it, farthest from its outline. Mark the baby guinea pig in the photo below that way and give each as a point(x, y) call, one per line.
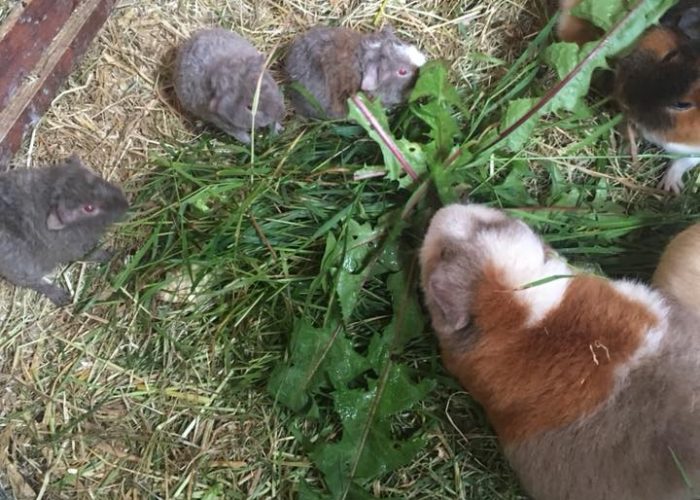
point(333, 64)
point(591, 384)
point(51, 216)
point(678, 272)
point(658, 88)
point(216, 77)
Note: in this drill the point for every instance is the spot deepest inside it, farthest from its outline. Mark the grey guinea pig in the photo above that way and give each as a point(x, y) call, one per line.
point(333, 64)
point(216, 77)
point(51, 216)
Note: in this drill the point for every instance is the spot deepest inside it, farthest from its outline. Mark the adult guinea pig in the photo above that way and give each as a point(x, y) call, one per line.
point(51, 216)
point(332, 64)
point(678, 272)
point(658, 87)
point(216, 77)
point(591, 384)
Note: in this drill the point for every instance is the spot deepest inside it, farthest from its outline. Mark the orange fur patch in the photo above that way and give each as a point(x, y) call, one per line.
point(534, 379)
point(687, 123)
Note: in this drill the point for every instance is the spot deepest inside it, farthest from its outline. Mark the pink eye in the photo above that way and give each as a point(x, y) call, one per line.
point(88, 208)
point(402, 71)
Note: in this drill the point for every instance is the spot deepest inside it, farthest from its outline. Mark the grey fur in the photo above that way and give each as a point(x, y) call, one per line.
point(216, 76)
point(332, 64)
point(44, 222)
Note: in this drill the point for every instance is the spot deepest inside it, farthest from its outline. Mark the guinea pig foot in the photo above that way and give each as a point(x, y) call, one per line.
point(54, 293)
point(99, 255)
point(673, 178)
point(244, 137)
point(672, 182)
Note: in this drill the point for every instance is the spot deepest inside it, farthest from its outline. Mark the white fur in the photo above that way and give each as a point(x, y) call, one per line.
point(654, 302)
point(415, 56)
point(521, 256)
point(673, 178)
point(455, 221)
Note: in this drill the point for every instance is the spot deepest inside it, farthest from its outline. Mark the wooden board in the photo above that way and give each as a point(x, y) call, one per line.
point(40, 44)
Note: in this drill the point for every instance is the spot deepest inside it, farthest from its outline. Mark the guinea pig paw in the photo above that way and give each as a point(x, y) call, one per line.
point(244, 137)
point(672, 181)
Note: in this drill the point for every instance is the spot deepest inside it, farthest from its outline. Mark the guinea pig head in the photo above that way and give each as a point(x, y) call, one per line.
point(453, 261)
point(658, 87)
point(535, 343)
point(389, 66)
point(80, 198)
point(233, 91)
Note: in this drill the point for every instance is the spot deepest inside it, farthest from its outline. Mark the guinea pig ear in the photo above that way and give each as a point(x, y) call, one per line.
point(370, 77)
point(689, 23)
point(448, 300)
point(53, 221)
point(73, 160)
point(387, 32)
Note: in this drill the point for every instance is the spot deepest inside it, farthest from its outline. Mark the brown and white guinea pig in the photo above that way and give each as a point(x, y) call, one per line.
point(678, 272)
point(658, 88)
point(592, 385)
point(574, 29)
point(216, 76)
point(332, 64)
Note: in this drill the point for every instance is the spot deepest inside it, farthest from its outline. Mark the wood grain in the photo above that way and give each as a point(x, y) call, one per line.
point(37, 53)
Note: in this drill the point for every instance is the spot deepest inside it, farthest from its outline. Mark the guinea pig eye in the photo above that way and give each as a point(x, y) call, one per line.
point(88, 208)
point(402, 71)
point(682, 105)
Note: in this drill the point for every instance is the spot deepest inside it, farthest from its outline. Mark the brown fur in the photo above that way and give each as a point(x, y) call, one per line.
point(559, 369)
point(678, 272)
point(573, 29)
point(342, 81)
point(599, 398)
point(659, 41)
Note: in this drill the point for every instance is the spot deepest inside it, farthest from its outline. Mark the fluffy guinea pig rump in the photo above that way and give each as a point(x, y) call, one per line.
point(548, 352)
point(678, 271)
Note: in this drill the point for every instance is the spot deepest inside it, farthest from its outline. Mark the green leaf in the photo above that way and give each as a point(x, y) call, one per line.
point(367, 448)
point(391, 147)
point(360, 241)
point(516, 110)
point(317, 356)
point(433, 83)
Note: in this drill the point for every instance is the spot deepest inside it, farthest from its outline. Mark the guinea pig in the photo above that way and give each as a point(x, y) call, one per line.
point(332, 64)
point(678, 271)
point(51, 216)
point(574, 29)
point(590, 384)
point(216, 76)
point(658, 88)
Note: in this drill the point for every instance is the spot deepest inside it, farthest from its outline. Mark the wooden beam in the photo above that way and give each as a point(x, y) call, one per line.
point(40, 47)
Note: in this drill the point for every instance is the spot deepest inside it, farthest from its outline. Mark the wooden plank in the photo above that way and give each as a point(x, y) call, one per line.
point(50, 61)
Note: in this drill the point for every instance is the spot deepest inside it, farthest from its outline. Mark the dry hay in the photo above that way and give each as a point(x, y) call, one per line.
point(115, 112)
